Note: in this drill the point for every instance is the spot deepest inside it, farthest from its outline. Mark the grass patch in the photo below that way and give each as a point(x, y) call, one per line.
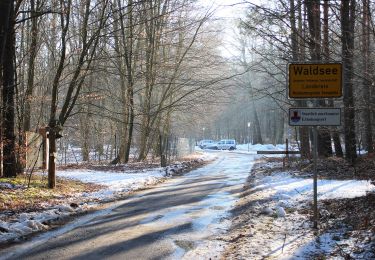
point(17, 196)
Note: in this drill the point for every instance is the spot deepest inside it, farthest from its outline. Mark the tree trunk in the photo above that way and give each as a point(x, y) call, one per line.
point(313, 15)
point(324, 142)
point(85, 134)
point(124, 26)
point(8, 70)
point(366, 95)
point(315, 45)
point(31, 67)
point(131, 126)
point(305, 142)
point(326, 54)
point(130, 65)
point(280, 129)
point(337, 143)
point(125, 117)
point(257, 132)
point(6, 9)
point(326, 31)
point(347, 39)
point(324, 135)
point(52, 156)
point(26, 115)
point(298, 55)
point(144, 136)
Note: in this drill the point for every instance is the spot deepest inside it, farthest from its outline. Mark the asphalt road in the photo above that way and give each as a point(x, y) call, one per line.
point(164, 222)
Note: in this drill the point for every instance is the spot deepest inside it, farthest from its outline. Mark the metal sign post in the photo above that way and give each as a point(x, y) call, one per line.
point(315, 80)
point(315, 152)
point(315, 117)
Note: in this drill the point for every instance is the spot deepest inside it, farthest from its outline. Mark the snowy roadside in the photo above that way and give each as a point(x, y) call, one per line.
point(272, 219)
point(17, 227)
point(119, 183)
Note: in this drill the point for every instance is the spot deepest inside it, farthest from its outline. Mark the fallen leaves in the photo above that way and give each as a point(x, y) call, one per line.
point(15, 196)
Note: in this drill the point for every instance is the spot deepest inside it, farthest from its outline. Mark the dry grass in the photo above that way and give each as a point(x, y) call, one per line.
point(22, 197)
point(36, 195)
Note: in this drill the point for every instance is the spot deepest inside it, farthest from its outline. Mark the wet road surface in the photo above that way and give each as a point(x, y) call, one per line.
point(164, 222)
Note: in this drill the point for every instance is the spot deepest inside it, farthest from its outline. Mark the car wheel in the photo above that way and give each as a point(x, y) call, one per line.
point(231, 148)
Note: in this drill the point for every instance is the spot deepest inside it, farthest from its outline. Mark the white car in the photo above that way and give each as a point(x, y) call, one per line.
point(206, 143)
point(226, 144)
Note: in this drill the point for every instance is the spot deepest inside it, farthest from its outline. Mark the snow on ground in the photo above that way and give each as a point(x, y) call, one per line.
point(276, 228)
point(284, 187)
point(253, 148)
point(261, 147)
point(117, 184)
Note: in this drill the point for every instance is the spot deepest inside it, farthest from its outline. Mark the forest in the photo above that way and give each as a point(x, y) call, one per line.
point(119, 77)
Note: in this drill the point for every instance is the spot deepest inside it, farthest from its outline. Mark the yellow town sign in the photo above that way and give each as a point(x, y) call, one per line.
point(315, 80)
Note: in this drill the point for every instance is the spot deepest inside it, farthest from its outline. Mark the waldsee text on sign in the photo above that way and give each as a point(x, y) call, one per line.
point(315, 80)
point(302, 116)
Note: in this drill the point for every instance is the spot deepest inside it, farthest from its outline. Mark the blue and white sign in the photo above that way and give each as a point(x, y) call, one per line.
point(303, 116)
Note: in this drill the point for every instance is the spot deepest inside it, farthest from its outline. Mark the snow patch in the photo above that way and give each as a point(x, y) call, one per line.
point(281, 232)
point(280, 212)
point(116, 184)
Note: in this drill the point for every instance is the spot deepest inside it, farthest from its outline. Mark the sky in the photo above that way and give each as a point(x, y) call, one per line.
point(228, 12)
point(230, 8)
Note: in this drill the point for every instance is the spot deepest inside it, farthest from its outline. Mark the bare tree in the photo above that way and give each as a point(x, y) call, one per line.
point(366, 94)
point(126, 47)
point(297, 45)
point(347, 38)
point(327, 58)
point(7, 48)
point(90, 36)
